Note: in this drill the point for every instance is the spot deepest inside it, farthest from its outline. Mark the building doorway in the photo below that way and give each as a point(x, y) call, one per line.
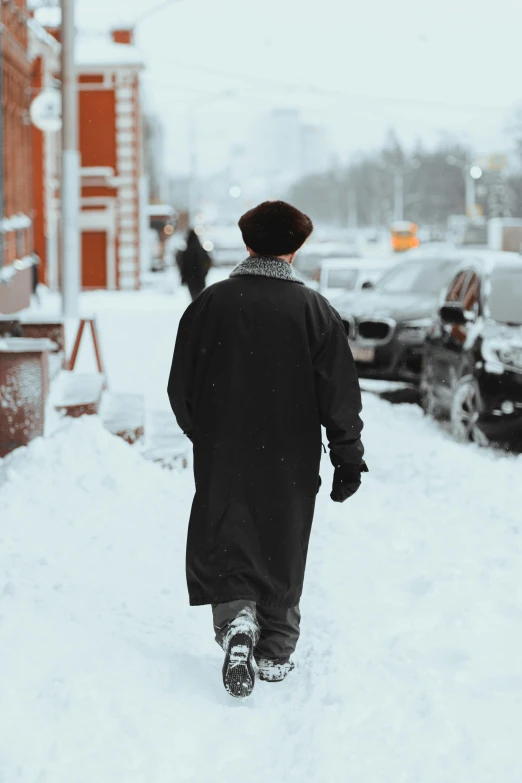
point(94, 259)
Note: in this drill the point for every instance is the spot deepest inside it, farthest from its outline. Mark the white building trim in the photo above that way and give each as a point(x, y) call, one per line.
point(124, 93)
point(125, 122)
point(128, 267)
point(126, 151)
point(126, 137)
point(127, 165)
point(129, 281)
point(127, 193)
point(128, 253)
point(125, 107)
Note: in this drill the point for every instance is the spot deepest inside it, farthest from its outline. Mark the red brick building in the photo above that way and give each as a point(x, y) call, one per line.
point(44, 52)
point(16, 196)
point(113, 191)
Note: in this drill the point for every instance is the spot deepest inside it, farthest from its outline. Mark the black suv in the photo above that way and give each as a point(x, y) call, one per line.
point(472, 368)
point(387, 324)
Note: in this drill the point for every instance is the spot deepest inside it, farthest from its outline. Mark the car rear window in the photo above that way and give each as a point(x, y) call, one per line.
point(427, 276)
point(342, 278)
point(505, 296)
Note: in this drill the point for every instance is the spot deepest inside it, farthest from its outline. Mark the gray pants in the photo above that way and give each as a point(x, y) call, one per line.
point(277, 629)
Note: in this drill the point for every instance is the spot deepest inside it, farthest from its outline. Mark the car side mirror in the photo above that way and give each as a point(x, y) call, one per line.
point(453, 313)
point(368, 284)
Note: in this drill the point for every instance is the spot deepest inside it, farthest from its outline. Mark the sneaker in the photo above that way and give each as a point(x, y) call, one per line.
point(273, 671)
point(238, 670)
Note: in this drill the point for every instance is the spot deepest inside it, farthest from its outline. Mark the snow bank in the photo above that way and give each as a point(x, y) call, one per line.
point(408, 669)
point(409, 664)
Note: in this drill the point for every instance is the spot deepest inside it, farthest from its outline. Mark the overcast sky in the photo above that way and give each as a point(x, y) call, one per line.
point(426, 69)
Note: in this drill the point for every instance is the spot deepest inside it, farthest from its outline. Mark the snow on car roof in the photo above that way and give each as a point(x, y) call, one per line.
point(355, 263)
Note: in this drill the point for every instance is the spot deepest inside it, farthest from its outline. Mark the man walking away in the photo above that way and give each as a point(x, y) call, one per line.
point(194, 264)
point(261, 362)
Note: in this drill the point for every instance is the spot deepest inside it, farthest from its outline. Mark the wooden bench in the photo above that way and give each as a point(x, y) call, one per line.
point(165, 443)
point(78, 394)
point(124, 415)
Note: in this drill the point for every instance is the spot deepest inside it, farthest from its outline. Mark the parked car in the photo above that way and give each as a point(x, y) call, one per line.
point(338, 275)
point(310, 257)
point(472, 368)
point(387, 326)
point(404, 236)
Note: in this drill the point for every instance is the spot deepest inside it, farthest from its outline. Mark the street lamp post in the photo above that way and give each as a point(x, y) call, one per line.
point(398, 200)
point(472, 174)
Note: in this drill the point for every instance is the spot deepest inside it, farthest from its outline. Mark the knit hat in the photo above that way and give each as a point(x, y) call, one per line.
point(275, 228)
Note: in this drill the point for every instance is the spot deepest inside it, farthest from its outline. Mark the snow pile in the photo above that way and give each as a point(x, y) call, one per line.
point(409, 665)
point(408, 669)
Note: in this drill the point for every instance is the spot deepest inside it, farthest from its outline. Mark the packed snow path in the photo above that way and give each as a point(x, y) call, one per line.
point(408, 670)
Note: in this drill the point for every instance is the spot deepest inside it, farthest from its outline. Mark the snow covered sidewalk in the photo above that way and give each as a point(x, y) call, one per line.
point(408, 670)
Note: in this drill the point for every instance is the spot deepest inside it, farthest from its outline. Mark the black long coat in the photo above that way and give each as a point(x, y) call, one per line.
point(260, 363)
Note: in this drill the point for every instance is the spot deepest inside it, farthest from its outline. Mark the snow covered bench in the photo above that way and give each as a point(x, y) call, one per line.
point(77, 394)
point(124, 415)
point(166, 444)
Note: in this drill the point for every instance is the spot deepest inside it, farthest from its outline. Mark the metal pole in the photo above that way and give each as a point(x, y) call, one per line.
point(470, 192)
point(70, 168)
point(352, 208)
point(399, 195)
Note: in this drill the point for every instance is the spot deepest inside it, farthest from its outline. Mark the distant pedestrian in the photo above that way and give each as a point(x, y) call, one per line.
point(261, 362)
point(194, 263)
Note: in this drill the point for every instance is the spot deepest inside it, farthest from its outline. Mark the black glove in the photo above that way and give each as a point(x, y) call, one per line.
point(347, 480)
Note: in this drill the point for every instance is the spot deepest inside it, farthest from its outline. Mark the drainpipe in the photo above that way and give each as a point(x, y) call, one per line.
point(70, 193)
point(2, 200)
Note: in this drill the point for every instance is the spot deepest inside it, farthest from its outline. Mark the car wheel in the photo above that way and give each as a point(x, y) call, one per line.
point(428, 400)
point(466, 408)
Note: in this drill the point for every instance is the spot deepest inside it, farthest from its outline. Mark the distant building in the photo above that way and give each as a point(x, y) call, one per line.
point(287, 149)
point(314, 150)
point(113, 219)
point(16, 198)
point(285, 140)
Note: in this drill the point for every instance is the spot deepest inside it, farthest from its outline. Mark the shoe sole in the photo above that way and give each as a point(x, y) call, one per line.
point(238, 675)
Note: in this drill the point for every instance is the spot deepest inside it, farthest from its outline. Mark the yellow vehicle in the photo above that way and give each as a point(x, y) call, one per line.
point(404, 236)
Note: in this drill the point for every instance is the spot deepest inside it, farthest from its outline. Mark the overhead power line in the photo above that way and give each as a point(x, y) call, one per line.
point(315, 89)
point(155, 9)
